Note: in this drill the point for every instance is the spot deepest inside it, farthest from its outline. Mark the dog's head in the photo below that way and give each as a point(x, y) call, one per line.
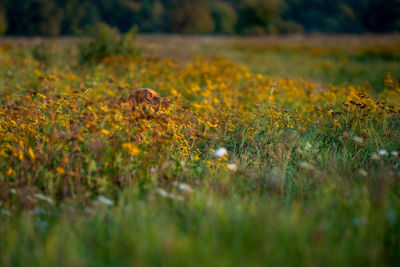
point(149, 97)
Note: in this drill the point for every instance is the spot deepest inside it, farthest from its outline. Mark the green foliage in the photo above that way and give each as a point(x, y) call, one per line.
point(326, 63)
point(263, 14)
point(3, 23)
point(105, 41)
point(152, 16)
point(66, 17)
point(190, 16)
point(290, 27)
point(39, 17)
point(225, 17)
point(75, 19)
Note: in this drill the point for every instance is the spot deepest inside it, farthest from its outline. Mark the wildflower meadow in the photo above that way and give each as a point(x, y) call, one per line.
point(269, 154)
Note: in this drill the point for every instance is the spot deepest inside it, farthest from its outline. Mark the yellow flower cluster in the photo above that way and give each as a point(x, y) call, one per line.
point(76, 123)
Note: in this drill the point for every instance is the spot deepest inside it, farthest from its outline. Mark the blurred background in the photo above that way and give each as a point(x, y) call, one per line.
point(229, 17)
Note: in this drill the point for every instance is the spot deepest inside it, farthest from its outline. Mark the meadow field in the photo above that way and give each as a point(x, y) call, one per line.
point(280, 151)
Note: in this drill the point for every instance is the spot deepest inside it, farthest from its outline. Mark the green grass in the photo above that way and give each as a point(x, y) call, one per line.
point(340, 209)
point(339, 60)
point(320, 69)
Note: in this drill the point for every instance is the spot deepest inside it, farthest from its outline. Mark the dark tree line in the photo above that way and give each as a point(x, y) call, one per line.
point(66, 17)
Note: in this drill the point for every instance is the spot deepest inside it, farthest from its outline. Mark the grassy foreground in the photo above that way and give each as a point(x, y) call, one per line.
point(310, 174)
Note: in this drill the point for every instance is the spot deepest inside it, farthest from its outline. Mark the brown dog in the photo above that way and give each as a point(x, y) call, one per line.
point(149, 97)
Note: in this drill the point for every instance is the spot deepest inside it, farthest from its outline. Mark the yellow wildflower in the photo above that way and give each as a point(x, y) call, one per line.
point(131, 149)
point(106, 132)
point(10, 171)
point(31, 153)
point(20, 155)
point(60, 170)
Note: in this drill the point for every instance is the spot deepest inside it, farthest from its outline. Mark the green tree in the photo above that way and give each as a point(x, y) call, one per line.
point(3, 17)
point(42, 18)
point(382, 16)
point(123, 14)
point(190, 16)
point(152, 16)
point(225, 17)
point(3, 23)
point(53, 17)
point(76, 18)
point(105, 41)
point(328, 15)
point(258, 16)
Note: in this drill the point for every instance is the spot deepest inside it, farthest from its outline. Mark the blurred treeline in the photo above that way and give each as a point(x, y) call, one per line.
point(69, 17)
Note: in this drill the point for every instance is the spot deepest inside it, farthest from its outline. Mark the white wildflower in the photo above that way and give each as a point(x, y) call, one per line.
point(306, 165)
point(44, 198)
point(166, 194)
point(358, 140)
point(363, 172)
point(383, 153)
point(394, 153)
point(307, 146)
point(221, 152)
point(183, 187)
point(375, 156)
point(232, 167)
point(104, 201)
point(162, 192)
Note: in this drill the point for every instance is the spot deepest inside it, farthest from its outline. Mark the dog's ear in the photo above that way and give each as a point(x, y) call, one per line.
point(151, 95)
point(132, 100)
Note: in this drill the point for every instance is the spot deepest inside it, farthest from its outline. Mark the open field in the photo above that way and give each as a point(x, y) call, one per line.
point(310, 175)
point(341, 60)
point(337, 59)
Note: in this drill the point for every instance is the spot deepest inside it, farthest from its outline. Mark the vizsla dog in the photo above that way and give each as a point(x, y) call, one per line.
point(143, 98)
point(148, 96)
